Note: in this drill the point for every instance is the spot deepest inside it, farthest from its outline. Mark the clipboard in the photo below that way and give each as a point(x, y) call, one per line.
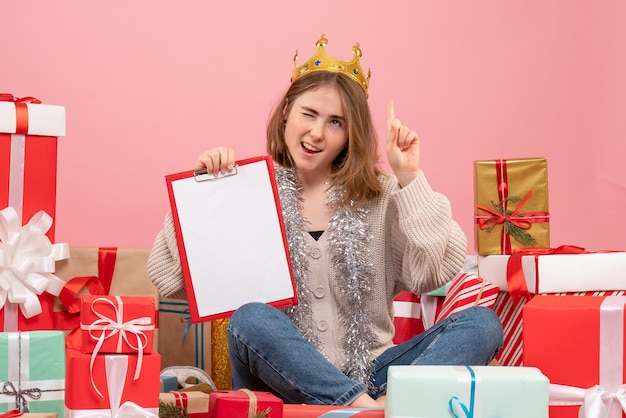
point(231, 238)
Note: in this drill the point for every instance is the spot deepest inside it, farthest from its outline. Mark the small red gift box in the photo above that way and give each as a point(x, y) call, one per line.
point(239, 404)
point(578, 343)
point(117, 324)
point(114, 382)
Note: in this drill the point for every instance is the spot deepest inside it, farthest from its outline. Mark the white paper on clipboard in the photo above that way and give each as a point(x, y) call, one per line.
point(231, 239)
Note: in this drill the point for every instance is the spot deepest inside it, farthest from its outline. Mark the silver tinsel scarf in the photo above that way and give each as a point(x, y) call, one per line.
point(348, 237)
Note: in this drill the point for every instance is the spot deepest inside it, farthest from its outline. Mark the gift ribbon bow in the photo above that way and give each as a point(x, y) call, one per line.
point(135, 326)
point(27, 261)
point(20, 395)
point(21, 110)
point(607, 399)
point(116, 368)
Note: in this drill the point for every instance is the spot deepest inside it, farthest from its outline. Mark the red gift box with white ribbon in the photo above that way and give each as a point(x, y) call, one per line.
point(111, 385)
point(117, 324)
point(578, 343)
point(28, 155)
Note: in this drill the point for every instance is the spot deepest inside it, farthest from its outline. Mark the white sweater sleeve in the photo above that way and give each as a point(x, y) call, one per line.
point(164, 267)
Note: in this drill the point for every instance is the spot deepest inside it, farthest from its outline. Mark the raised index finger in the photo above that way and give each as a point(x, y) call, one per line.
point(390, 114)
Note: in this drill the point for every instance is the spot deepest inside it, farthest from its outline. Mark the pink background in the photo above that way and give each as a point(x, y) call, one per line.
point(149, 85)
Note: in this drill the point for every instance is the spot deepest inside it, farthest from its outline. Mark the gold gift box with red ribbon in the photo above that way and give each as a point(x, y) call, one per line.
point(511, 205)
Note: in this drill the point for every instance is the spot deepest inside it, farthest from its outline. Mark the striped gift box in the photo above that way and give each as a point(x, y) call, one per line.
point(467, 290)
point(407, 318)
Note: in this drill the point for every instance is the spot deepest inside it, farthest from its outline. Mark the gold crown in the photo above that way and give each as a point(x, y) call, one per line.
point(322, 62)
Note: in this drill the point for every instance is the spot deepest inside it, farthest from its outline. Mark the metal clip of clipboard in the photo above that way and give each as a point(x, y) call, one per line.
point(202, 175)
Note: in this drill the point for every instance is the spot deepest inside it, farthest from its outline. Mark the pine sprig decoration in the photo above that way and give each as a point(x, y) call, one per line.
point(169, 410)
point(263, 414)
point(519, 234)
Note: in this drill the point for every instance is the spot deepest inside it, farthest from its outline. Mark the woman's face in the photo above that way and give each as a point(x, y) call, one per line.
point(316, 131)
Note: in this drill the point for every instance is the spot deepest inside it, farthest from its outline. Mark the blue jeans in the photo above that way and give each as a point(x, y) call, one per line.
point(268, 353)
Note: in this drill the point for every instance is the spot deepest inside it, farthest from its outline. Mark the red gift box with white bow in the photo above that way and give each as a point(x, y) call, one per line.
point(117, 324)
point(578, 343)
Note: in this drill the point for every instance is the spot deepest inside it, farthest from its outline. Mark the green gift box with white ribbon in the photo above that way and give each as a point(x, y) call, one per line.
point(32, 371)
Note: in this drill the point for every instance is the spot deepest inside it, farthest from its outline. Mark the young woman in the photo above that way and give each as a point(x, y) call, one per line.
point(357, 237)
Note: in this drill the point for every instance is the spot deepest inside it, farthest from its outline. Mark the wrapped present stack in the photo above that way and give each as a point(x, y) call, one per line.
point(114, 367)
point(32, 352)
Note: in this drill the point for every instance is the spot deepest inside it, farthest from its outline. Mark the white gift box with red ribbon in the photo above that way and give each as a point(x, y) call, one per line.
point(557, 273)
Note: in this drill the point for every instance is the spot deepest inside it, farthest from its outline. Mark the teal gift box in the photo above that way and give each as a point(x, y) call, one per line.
point(464, 391)
point(32, 371)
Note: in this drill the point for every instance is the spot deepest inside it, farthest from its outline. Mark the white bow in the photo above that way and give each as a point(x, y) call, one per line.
point(27, 261)
point(596, 402)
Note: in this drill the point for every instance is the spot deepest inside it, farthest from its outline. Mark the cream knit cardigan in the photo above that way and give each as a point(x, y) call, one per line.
point(416, 246)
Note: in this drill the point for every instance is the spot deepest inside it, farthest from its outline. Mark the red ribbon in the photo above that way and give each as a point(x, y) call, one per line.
point(515, 279)
point(181, 399)
point(95, 285)
point(21, 110)
point(522, 220)
point(12, 413)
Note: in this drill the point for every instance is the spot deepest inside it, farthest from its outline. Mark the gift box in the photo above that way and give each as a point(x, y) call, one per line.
point(168, 383)
point(511, 205)
point(578, 342)
point(32, 363)
point(181, 342)
point(27, 265)
point(244, 404)
point(467, 290)
point(112, 383)
point(563, 269)
point(460, 391)
point(195, 404)
point(329, 411)
point(117, 324)
point(407, 317)
point(28, 156)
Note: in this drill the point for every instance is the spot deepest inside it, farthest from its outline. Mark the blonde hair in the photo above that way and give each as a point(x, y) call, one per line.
point(356, 167)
